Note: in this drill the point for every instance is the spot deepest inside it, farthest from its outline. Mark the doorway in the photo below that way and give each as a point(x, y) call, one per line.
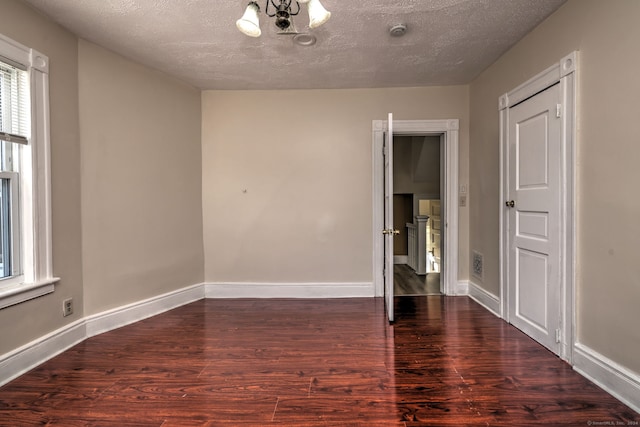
point(533, 217)
point(537, 227)
point(448, 130)
point(417, 184)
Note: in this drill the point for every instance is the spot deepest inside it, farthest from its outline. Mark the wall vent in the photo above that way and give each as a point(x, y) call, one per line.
point(477, 264)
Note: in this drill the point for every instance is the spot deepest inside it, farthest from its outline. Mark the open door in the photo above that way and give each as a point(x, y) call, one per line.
point(389, 232)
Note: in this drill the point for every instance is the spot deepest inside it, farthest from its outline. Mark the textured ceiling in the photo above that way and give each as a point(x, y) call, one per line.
point(448, 41)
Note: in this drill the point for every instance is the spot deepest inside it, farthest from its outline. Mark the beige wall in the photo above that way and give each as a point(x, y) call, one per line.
point(287, 179)
point(606, 34)
point(25, 322)
point(402, 214)
point(141, 181)
point(416, 165)
point(127, 224)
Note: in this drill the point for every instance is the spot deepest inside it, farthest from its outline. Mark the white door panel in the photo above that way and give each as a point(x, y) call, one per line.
point(533, 222)
point(388, 231)
point(532, 291)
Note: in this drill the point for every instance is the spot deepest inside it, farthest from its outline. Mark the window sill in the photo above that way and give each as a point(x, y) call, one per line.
point(15, 294)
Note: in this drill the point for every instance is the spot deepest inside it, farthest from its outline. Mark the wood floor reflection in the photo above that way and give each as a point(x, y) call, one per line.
point(445, 361)
point(407, 282)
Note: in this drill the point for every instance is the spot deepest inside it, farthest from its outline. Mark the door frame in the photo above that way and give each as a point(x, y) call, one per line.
point(449, 130)
point(563, 72)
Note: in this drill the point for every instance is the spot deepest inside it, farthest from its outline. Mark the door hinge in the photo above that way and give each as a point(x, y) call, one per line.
point(558, 335)
point(559, 110)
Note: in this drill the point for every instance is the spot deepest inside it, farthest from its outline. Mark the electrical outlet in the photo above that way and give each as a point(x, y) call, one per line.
point(463, 200)
point(67, 307)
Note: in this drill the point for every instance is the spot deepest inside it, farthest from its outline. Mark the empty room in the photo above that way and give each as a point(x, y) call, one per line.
point(319, 213)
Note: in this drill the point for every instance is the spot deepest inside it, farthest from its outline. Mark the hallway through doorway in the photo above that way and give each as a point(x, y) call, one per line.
point(408, 283)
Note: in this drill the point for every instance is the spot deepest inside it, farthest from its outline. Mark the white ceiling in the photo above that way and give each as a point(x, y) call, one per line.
point(448, 41)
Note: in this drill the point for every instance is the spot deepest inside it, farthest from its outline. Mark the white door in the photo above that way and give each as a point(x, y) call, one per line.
point(388, 231)
point(533, 217)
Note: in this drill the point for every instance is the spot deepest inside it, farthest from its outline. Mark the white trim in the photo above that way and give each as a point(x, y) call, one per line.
point(18, 54)
point(568, 86)
point(35, 182)
point(564, 72)
point(450, 130)
point(486, 299)
point(401, 259)
point(140, 310)
point(23, 359)
point(288, 290)
point(460, 289)
point(41, 180)
point(27, 357)
point(613, 378)
point(377, 166)
point(21, 292)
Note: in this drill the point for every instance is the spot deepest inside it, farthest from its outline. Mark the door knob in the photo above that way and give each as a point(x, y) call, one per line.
point(390, 231)
point(510, 203)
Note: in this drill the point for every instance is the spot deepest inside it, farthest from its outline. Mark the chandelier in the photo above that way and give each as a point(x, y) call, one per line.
point(249, 24)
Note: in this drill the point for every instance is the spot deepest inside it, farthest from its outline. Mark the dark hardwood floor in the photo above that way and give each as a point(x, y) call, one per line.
point(407, 282)
point(445, 361)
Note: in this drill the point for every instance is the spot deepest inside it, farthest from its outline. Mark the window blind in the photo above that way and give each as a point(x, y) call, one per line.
point(15, 111)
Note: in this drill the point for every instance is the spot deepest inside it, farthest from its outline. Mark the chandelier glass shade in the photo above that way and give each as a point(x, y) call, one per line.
point(249, 23)
point(282, 11)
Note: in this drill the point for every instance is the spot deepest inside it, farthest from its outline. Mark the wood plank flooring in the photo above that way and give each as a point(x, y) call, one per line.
point(445, 361)
point(407, 282)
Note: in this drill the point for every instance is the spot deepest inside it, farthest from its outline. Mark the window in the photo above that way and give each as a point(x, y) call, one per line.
point(15, 118)
point(25, 206)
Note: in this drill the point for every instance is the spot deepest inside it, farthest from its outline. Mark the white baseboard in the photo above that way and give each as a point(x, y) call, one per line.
point(615, 379)
point(30, 355)
point(131, 313)
point(289, 290)
point(401, 259)
point(484, 298)
point(461, 288)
